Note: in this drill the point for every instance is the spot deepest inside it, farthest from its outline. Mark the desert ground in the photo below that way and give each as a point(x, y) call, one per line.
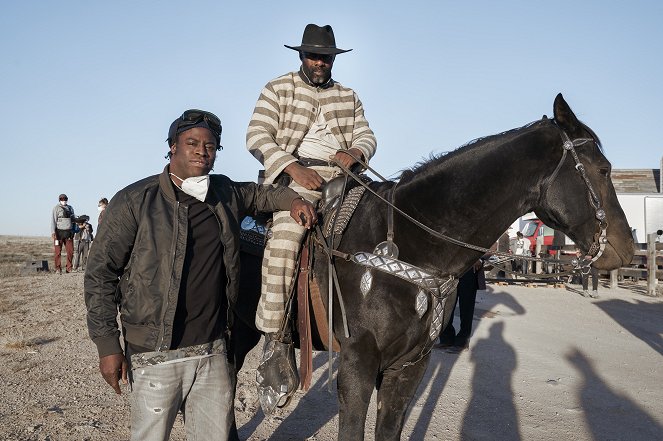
point(544, 363)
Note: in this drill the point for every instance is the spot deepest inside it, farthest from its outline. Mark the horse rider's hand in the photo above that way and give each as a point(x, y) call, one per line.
point(113, 368)
point(303, 212)
point(343, 158)
point(304, 176)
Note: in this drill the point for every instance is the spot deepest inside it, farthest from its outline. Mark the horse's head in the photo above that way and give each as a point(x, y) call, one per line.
point(579, 198)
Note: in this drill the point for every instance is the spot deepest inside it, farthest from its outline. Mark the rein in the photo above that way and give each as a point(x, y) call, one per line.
point(595, 251)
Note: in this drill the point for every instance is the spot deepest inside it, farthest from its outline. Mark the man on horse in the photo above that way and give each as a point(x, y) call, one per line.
point(303, 123)
point(167, 258)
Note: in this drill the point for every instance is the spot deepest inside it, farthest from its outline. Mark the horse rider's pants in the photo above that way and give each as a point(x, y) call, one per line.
point(281, 252)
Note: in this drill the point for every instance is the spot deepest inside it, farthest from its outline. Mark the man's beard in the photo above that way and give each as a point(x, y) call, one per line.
point(318, 76)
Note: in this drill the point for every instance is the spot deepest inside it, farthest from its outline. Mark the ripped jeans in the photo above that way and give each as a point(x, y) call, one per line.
point(200, 386)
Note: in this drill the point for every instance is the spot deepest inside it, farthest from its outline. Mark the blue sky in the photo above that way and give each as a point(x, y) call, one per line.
point(88, 89)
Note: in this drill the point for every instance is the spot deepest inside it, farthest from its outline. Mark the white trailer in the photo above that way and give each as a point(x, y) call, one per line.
point(644, 213)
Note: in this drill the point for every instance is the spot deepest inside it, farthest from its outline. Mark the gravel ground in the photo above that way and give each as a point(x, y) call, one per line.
point(543, 364)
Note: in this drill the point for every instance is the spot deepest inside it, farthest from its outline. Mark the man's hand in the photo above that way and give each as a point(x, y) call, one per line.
point(113, 368)
point(303, 212)
point(306, 177)
point(342, 157)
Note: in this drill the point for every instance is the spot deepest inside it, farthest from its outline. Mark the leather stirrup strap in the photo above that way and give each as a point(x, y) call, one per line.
point(390, 216)
point(319, 313)
point(304, 318)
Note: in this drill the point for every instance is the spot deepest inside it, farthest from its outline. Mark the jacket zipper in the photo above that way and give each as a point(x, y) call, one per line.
point(163, 321)
point(223, 256)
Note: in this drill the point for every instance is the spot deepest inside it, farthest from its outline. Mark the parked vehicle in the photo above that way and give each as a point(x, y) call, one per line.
point(535, 228)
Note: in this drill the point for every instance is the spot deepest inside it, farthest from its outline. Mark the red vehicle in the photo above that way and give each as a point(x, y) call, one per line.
point(535, 228)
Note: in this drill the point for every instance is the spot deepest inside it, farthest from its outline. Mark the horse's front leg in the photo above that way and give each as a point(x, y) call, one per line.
point(395, 393)
point(357, 373)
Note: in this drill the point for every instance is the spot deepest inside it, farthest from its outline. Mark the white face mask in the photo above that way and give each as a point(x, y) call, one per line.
point(100, 208)
point(63, 203)
point(196, 186)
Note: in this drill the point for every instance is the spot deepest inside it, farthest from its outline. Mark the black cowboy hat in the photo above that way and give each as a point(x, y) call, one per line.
point(318, 40)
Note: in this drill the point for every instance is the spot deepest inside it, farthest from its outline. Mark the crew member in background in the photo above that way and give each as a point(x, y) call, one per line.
point(101, 206)
point(466, 294)
point(62, 223)
point(83, 237)
point(519, 247)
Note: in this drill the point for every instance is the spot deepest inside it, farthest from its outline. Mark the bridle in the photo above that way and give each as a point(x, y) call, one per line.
point(600, 238)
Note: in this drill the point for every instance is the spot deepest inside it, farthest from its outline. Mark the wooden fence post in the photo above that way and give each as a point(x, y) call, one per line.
point(651, 264)
point(614, 276)
point(537, 253)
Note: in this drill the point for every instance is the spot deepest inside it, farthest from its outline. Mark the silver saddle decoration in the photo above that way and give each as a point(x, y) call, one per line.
point(337, 217)
point(387, 248)
point(276, 376)
point(438, 307)
point(421, 304)
point(439, 288)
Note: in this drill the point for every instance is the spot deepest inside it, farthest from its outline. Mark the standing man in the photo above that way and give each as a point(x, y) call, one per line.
point(303, 122)
point(101, 207)
point(85, 236)
point(466, 294)
point(519, 247)
point(62, 232)
point(585, 273)
point(168, 258)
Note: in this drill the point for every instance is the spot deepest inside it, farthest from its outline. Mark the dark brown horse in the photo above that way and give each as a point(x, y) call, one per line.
point(471, 195)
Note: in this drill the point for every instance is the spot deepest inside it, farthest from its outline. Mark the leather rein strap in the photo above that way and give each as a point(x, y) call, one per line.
point(304, 317)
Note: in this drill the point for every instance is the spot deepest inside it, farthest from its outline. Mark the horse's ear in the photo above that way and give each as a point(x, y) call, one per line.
point(563, 114)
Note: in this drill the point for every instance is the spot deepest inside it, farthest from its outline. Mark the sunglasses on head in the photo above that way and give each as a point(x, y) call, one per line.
point(192, 117)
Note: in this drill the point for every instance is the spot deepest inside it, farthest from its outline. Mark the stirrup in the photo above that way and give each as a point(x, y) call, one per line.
point(276, 376)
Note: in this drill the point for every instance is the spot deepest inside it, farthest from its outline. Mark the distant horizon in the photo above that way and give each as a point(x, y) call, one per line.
point(614, 170)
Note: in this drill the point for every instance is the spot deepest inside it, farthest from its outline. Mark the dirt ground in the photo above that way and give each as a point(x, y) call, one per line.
point(543, 364)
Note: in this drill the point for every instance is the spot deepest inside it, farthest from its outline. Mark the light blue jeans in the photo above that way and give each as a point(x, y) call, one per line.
point(200, 387)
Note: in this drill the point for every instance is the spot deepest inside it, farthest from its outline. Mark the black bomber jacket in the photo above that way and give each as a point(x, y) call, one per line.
point(141, 248)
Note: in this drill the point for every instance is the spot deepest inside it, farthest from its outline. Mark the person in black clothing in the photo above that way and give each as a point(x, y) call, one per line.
point(584, 275)
point(167, 258)
point(466, 293)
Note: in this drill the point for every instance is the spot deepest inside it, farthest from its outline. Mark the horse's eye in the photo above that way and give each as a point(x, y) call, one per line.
point(605, 171)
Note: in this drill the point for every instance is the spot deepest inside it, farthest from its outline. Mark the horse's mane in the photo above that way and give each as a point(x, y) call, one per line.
point(438, 158)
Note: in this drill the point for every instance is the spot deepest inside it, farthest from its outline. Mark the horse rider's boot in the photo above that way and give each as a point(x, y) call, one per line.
point(594, 294)
point(277, 375)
